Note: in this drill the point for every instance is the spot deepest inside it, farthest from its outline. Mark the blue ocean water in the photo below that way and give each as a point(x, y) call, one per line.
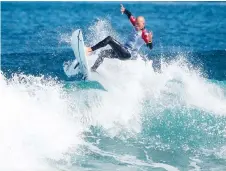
point(131, 115)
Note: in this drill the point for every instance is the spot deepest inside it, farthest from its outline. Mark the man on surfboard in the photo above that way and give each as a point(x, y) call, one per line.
point(136, 39)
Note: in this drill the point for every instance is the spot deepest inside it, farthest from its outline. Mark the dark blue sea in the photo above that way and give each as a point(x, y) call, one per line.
point(165, 114)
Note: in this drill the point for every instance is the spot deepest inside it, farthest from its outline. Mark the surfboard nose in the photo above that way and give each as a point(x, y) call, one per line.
point(79, 49)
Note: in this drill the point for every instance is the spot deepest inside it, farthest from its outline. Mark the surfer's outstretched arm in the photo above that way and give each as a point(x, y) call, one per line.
point(129, 15)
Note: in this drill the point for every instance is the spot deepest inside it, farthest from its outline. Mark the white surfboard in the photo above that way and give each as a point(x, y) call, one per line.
point(78, 47)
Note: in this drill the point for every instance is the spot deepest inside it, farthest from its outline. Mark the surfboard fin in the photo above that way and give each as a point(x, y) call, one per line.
point(76, 65)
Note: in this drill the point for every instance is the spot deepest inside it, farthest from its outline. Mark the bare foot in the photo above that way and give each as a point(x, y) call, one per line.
point(88, 50)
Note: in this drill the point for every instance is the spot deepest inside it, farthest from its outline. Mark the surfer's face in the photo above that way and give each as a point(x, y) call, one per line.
point(140, 22)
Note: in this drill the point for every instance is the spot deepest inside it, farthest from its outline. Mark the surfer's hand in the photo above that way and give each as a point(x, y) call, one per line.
point(122, 8)
point(150, 35)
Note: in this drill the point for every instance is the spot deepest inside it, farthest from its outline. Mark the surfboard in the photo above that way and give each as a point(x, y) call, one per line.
point(78, 47)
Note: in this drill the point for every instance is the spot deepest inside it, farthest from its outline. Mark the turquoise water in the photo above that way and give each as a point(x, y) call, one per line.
point(131, 115)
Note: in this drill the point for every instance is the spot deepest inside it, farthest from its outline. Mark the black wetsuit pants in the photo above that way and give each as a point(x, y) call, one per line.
point(117, 51)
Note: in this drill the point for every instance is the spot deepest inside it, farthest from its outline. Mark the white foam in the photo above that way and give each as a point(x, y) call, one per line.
point(65, 38)
point(131, 160)
point(195, 90)
point(35, 123)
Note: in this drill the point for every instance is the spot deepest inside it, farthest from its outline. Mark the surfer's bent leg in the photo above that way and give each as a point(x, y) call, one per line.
point(103, 54)
point(119, 49)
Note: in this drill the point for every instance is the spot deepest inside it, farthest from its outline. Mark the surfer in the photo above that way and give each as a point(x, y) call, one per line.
point(138, 37)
